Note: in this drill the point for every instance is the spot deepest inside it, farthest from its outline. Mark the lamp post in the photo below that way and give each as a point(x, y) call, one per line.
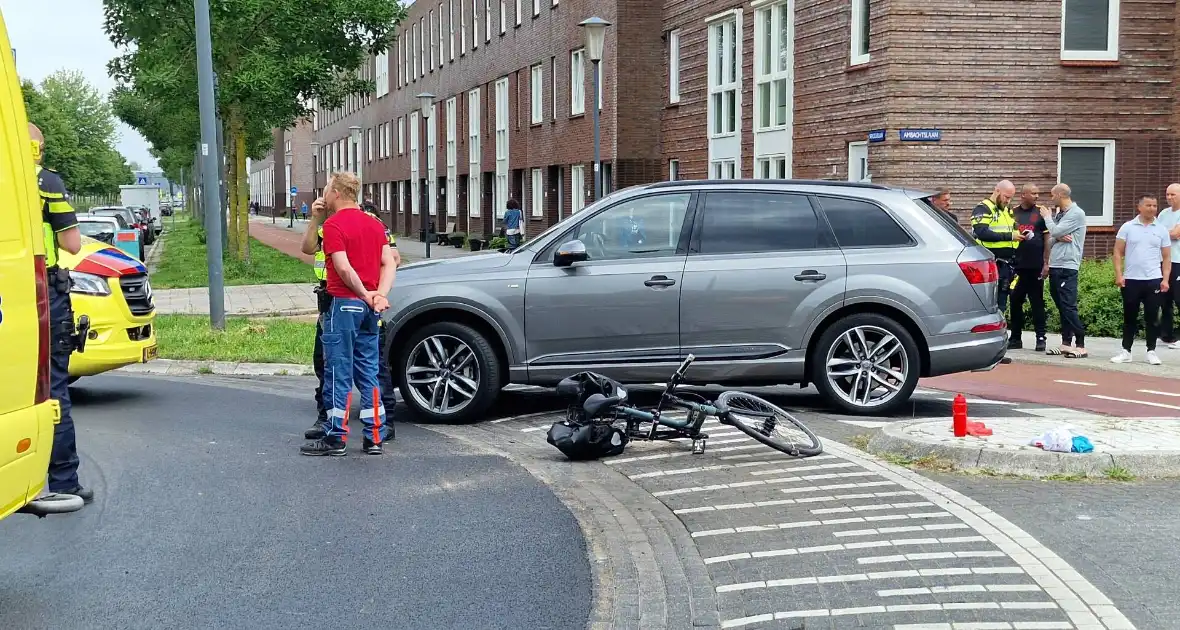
point(315, 162)
point(426, 103)
point(290, 159)
point(208, 162)
point(354, 154)
point(595, 28)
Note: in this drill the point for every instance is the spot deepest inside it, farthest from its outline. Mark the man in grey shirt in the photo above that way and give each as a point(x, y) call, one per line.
point(1067, 237)
point(1170, 218)
point(1142, 266)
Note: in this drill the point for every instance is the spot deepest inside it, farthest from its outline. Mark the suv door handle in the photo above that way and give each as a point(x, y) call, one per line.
point(810, 275)
point(659, 281)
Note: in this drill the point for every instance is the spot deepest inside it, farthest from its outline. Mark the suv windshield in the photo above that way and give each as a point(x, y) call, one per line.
point(953, 226)
point(119, 215)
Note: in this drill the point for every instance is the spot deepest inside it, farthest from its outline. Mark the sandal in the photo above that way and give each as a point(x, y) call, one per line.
point(1076, 353)
point(1056, 351)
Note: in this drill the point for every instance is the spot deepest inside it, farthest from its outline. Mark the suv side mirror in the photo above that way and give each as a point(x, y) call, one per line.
point(570, 253)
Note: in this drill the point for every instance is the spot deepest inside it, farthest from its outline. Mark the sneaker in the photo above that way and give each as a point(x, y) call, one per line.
point(1122, 357)
point(1175, 345)
point(1015, 343)
point(325, 446)
point(318, 431)
point(371, 448)
point(1041, 344)
point(86, 494)
point(1153, 359)
point(388, 434)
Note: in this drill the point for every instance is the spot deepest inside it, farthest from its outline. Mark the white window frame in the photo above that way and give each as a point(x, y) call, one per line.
point(451, 25)
point(673, 170)
point(414, 163)
point(474, 24)
point(451, 192)
point(577, 188)
point(553, 85)
point(859, 13)
point(577, 82)
point(537, 93)
point(725, 144)
point(765, 167)
point(474, 192)
point(463, 26)
point(854, 151)
point(423, 33)
point(769, 17)
point(537, 7)
point(381, 60)
point(429, 56)
point(500, 198)
point(369, 144)
point(441, 40)
point(674, 67)
point(724, 168)
point(1112, 37)
point(405, 46)
point(538, 193)
point(1108, 173)
point(401, 197)
point(503, 16)
point(401, 135)
point(487, 21)
point(520, 10)
point(432, 161)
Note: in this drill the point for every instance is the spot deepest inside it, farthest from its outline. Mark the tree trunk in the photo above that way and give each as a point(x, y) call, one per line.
point(241, 191)
point(231, 180)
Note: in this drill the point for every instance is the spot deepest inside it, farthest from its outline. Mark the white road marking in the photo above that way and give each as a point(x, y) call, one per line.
point(979, 401)
point(941, 555)
point(998, 625)
point(960, 588)
point(896, 542)
point(686, 471)
point(838, 521)
point(544, 427)
point(872, 507)
point(867, 610)
point(897, 530)
point(726, 449)
point(759, 482)
point(1082, 383)
point(790, 469)
point(1158, 393)
point(867, 424)
point(1137, 402)
point(839, 497)
point(527, 416)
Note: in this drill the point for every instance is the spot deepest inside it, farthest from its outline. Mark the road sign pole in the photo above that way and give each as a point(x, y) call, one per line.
point(209, 196)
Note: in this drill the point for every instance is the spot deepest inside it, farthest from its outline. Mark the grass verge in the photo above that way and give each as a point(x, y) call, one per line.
point(244, 340)
point(182, 264)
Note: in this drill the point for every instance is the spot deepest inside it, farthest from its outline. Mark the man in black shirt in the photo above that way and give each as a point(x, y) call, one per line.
point(1032, 265)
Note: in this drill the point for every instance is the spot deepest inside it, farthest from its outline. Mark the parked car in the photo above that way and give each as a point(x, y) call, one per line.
point(130, 218)
point(165, 210)
point(112, 230)
point(859, 289)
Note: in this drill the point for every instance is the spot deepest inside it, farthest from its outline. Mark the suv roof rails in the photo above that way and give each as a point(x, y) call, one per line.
point(797, 182)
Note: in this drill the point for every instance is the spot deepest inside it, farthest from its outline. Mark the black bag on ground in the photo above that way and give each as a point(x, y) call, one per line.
point(591, 440)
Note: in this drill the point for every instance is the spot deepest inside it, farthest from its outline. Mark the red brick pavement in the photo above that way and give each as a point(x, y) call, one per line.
point(281, 239)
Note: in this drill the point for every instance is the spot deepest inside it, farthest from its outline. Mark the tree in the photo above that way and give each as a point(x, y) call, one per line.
point(79, 129)
point(134, 166)
point(273, 58)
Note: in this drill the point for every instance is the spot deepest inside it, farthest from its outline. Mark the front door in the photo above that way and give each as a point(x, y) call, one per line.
point(762, 265)
point(618, 312)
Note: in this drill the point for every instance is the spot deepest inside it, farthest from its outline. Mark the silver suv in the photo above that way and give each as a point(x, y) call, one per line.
point(859, 289)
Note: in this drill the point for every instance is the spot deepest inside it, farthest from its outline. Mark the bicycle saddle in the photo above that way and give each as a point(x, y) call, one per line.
point(598, 403)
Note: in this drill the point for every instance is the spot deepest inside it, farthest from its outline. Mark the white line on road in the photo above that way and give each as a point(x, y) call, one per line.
point(866, 610)
point(872, 507)
point(1082, 383)
point(777, 502)
point(960, 588)
point(644, 458)
point(979, 401)
point(941, 555)
point(686, 471)
point(836, 521)
point(867, 424)
point(759, 482)
point(897, 530)
point(527, 416)
point(1158, 393)
point(1137, 402)
point(867, 544)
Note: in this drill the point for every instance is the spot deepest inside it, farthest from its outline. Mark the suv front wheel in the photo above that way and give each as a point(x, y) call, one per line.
point(866, 364)
point(448, 372)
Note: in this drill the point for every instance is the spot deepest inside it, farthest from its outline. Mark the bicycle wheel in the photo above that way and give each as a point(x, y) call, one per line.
point(769, 424)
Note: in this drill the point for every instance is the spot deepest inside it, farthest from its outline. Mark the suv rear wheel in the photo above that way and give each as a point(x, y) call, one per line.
point(448, 372)
point(866, 363)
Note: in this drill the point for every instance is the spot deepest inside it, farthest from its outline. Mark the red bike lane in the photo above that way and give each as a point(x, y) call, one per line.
point(1098, 391)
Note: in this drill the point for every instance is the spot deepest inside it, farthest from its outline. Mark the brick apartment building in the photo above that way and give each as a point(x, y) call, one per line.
point(909, 92)
point(271, 178)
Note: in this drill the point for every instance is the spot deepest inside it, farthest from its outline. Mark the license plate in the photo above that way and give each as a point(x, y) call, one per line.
point(149, 353)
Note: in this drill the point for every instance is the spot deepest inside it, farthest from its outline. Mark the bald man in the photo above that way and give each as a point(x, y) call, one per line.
point(1170, 218)
point(994, 227)
point(60, 229)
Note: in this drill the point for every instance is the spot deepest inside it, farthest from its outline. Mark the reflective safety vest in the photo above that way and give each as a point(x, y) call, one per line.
point(321, 260)
point(999, 220)
point(57, 214)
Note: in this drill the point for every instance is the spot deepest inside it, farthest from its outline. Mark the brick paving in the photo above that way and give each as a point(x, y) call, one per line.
point(290, 239)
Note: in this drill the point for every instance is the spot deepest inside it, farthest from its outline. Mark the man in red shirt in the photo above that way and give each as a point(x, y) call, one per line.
point(360, 273)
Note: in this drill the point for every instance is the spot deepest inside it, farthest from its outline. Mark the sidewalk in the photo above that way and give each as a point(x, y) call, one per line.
point(289, 240)
point(1101, 349)
point(261, 300)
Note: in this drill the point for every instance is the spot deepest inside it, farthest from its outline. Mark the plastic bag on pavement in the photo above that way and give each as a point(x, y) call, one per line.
point(1081, 444)
point(1059, 440)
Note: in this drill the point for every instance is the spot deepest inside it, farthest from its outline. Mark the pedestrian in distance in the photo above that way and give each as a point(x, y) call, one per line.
point(1067, 238)
point(1142, 267)
point(1170, 218)
point(360, 271)
point(512, 221)
point(1032, 266)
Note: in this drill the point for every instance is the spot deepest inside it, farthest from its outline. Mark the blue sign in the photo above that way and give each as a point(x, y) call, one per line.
point(142, 181)
point(294, 190)
point(919, 135)
point(877, 135)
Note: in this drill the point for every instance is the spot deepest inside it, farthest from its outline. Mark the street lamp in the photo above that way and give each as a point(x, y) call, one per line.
point(595, 37)
point(291, 201)
point(426, 104)
point(355, 154)
point(315, 163)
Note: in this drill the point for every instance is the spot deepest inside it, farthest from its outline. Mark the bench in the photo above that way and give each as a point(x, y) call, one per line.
point(444, 237)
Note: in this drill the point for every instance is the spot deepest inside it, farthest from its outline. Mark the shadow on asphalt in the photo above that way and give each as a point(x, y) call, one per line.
point(90, 396)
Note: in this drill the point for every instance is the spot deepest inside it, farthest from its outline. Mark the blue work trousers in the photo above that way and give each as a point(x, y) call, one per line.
point(351, 357)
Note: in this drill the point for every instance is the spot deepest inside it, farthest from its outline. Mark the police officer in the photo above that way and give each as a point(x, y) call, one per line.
point(324, 302)
point(994, 227)
point(59, 226)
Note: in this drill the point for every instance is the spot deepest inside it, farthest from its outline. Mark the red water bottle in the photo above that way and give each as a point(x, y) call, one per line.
point(959, 421)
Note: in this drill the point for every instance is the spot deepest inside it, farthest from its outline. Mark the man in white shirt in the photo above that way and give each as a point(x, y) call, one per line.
point(1142, 268)
point(1170, 218)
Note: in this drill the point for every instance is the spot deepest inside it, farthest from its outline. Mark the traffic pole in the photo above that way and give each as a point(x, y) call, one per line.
point(209, 182)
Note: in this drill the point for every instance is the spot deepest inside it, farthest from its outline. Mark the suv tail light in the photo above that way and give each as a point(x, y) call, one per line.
point(42, 280)
point(980, 271)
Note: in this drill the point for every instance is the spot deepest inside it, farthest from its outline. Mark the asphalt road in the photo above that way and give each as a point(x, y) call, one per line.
point(208, 517)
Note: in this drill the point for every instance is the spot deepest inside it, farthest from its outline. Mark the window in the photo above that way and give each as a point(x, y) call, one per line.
point(463, 25)
point(858, 162)
point(772, 67)
point(401, 136)
point(772, 167)
point(742, 223)
point(647, 227)
point(537, 95)
point(1090, 30)
point(423, 33)
point(414, 51)
point(414, 163)
point(487, 20)
point(429, 40)
point(1087, 167)
point(577, 82)
point(504, 16)
point(724, 77)
point(369, 144)
point(862, 224)
point(432, 161)
point(553, 86)
point(452, 192)
point(519, 11)
point(474, 24)
point(441, 48)
point(451, 25)
point(577, 187)
point(500, 199)
point(723, 169)
point(674, 67)
point(473, 188)
point(860, 33)
point(537, 7)
point(407, 49)
point(382, 63)
point(538, 193)
point(673, 170)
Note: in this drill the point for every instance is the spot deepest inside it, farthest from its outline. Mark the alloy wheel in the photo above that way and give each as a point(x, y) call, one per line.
point(867, 366)
point(442, 374)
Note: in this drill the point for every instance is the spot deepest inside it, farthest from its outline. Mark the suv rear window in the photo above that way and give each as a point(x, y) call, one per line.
point(952, 225)
point(858, 223)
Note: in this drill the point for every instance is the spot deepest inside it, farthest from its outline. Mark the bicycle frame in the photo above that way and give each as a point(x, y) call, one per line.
point(689, 427)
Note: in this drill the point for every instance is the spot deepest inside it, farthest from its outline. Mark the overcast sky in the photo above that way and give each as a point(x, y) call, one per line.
point(80, 43)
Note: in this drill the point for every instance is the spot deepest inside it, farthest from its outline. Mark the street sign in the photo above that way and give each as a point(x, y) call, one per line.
point(877, 135)
point(919, 135)
point(142, 181)
point(294, 190)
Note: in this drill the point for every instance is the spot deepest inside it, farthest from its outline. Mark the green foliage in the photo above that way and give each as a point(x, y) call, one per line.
point(79, 129)
point(1100, 304)
point(260, 340)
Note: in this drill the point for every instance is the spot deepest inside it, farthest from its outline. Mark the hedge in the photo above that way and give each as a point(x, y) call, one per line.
point(1100, 304)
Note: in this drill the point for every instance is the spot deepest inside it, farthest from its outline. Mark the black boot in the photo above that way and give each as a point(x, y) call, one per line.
point(333, 447)
point(1040, 344)
point(317, 430)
